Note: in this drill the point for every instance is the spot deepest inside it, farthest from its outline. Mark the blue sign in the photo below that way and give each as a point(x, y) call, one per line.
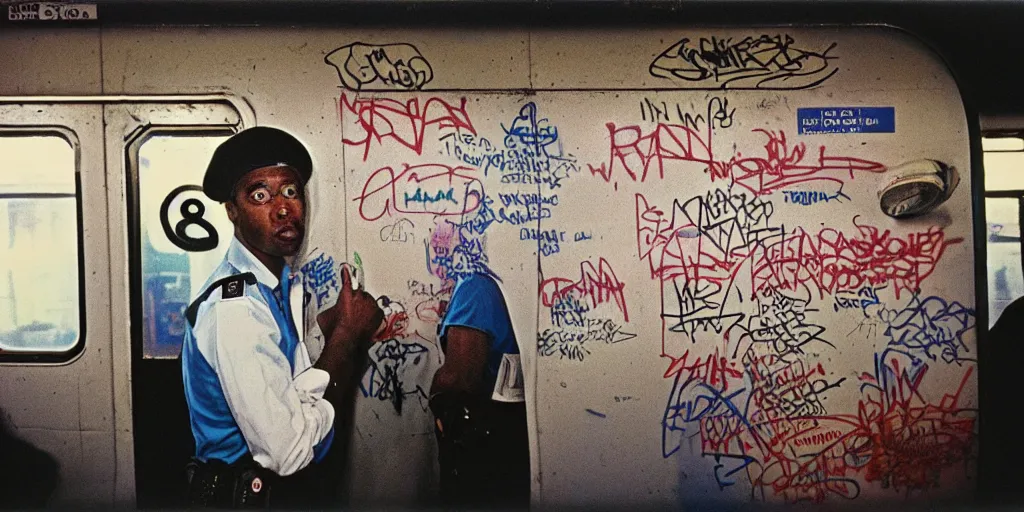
point(846, 120)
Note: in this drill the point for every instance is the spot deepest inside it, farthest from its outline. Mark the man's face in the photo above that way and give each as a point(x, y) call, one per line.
point(269, 211)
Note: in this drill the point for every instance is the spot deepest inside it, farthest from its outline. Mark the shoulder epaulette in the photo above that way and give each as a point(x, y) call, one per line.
point(232, 288)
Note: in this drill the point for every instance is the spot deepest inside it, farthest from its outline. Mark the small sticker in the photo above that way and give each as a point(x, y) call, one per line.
point(232, 289)
point(48, 11)
point(257, 484)
point(508, 387)
point(846, 120)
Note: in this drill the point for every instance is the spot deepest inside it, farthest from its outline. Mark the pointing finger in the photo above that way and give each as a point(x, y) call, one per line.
point(346, 279)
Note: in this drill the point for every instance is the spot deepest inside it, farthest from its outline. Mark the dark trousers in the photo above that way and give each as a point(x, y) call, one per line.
point(486, 464)
point(246, 485)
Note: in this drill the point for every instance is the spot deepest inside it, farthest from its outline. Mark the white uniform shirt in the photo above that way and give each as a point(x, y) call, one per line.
point(280, 412)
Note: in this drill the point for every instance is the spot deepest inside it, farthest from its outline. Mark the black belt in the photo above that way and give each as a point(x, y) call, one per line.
point(216, 484)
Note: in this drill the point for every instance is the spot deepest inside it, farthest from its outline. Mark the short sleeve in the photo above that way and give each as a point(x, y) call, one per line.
point(476, 303)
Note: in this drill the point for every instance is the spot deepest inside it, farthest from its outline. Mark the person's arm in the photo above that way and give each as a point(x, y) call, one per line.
point(282, 419)
point(348, 327)
point(465, 361)
point(469, 330)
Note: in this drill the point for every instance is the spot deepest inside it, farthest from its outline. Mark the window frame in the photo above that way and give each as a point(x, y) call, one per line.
point(1017, 194)
point(69, 136)
point(132, 149)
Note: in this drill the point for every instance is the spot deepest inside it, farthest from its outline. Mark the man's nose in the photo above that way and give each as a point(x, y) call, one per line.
point(281, 209)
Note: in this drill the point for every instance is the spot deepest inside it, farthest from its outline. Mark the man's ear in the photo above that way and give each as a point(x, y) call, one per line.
point(232, 210)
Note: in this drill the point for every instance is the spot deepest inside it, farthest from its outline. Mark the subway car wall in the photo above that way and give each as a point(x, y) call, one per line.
point(687, 208)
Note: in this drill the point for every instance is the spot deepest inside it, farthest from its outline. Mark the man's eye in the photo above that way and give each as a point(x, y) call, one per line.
point(290, 191)
point(260, 196)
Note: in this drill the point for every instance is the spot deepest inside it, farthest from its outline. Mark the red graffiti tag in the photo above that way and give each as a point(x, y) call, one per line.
point(598, 285)
point(833, 261)
point(830, 259)
point(714, 369)
point(366, 120)
point(780, 166)
point(433, 189)
point(897, 438)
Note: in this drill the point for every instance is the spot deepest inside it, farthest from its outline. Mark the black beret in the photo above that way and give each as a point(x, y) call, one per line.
point(249, 150)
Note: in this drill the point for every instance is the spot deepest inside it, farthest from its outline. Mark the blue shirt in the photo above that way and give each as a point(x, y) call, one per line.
point(477, 303)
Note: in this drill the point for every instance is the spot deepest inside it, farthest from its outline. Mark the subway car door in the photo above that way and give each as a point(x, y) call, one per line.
point(55, 337)
point(175, 237)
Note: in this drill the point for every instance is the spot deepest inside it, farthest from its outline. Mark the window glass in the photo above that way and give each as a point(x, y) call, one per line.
point(1002, 144)
point(1004, 170)
point(39, 245)
point(1005, 279)
point(171, 170)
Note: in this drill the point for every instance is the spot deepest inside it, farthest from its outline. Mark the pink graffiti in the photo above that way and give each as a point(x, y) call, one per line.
point(387, 192)
point(782, 165)
point(366, 120)
point(598, 285)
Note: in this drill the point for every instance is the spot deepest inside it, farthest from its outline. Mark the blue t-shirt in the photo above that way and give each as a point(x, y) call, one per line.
point(477, 303)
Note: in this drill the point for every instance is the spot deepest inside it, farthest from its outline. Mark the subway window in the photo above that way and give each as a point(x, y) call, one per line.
point(183, 235)
point(1004, 195)
point(40, 253)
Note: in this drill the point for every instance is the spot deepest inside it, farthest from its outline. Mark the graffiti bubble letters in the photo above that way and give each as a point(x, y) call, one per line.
point(399, 66)
point(368, 120)
point(192, 211)
point(388, 193)
point(765, 62)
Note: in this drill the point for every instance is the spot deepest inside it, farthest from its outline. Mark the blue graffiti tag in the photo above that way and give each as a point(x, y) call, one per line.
point(932, 327)
point(319, 278)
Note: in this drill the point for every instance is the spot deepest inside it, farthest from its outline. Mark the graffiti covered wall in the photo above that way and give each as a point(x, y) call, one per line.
point(714, 304)
point(710, 301)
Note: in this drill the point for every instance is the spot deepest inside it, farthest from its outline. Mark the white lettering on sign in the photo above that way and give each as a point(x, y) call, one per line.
point(50, 11)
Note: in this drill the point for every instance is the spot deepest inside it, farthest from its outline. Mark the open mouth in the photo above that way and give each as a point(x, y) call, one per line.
point(287, 234)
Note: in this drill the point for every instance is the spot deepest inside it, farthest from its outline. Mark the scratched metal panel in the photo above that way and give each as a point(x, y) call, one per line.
point(45, 61)
point(271, 66)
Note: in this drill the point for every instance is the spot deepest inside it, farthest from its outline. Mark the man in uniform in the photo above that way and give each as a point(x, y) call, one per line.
point(478, 401)
point(262, 415)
